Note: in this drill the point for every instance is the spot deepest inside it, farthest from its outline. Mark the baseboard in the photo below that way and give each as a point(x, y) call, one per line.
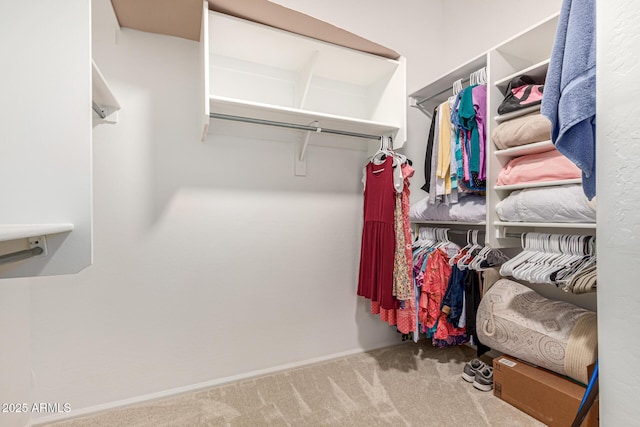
point(194, 387)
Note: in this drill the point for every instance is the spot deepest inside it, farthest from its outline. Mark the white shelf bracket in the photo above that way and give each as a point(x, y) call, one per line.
point(300, 160)
point(39, 242)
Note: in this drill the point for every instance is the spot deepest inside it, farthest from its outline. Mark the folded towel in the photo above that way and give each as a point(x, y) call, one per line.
point(569, 99)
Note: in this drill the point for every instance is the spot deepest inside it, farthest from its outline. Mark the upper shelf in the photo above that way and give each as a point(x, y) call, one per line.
point(24, 231)
point(104, 101)
point(256, 110)
point(537, 184)
point(538, 72)
point(436, 92)
point(266, 73)
point(521, 150)
point(518, 113)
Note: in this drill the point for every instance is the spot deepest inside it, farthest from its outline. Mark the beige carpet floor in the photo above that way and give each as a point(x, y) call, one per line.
point(406, 385)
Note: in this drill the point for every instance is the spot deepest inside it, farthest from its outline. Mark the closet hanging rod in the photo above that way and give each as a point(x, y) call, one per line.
point(291, 126)
point(99, 111)
point(20, 255)
point(449, 89)
point(461, 232)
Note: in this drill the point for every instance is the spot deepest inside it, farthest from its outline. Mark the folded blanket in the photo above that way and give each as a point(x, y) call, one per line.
point(564, 203)
point(521, 131)
point(540, 167)
point(470, 208)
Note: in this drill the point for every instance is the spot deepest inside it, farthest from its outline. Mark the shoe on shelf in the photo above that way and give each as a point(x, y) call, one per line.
point(470, 369)
point(484, 379)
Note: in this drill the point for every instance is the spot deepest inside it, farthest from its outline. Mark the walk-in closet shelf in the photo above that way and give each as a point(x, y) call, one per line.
point(46, 168)
point(24, 231)
point(260, 72)
point(528, 54)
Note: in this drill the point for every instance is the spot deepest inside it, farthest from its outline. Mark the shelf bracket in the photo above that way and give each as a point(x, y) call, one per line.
point(300, 161)
point(39, 242)
point(103, 112)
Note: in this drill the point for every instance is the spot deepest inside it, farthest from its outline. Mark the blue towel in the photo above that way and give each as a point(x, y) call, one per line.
point(569, 99)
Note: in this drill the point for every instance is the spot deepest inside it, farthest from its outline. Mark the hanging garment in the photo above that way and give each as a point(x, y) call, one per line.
point(479, 96)
point(378, 238)
point(405, 316)
point(427, 157)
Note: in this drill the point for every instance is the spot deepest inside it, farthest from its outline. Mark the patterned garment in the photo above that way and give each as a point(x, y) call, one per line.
point(405, 316)
point(402, 286)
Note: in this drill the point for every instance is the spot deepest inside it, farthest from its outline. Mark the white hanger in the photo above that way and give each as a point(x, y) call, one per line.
point(457, 87)
point(526, 241)
point(462, 249)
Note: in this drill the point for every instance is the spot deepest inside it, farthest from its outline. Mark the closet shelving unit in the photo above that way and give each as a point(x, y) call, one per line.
point(40, 245)
point(104, 103)
point(526, 53)
point(260, 74)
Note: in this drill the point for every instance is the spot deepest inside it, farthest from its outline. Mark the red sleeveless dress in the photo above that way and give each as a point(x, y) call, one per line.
point(377, 251)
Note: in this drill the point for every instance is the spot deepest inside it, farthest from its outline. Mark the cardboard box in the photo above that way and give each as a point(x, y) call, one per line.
point(545, 395)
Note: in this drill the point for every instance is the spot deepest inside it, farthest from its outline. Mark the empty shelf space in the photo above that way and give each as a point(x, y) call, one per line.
point(546, 224)
point(518, 113)
point(537, 184)
point(448, 223)
point(534, 148)
point(537, 72)
point(24, 231)
point(439, 90)
point(236, 107)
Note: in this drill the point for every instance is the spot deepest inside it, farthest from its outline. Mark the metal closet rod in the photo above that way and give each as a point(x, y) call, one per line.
point(449, 89)
point(20, 255)
point(292, 126)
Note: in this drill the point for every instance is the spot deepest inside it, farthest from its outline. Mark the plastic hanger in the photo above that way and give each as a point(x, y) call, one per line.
point(457, 87)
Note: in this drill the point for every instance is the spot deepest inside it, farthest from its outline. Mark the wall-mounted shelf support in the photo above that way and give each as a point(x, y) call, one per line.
point(300, 161)
point(103, 103)
point(39, 242)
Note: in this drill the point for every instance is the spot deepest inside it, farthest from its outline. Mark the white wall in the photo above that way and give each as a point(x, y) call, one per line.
point(15, 349)
point(618, 154)
point(211, 260)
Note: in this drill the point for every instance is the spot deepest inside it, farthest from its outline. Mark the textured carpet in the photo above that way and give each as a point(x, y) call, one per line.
point(406, 385)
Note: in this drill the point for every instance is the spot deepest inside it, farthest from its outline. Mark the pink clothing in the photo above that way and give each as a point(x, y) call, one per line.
point(435, 284)
point(540, 167)
point(479, 95)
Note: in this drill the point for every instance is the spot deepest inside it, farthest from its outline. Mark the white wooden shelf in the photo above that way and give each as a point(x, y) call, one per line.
point(482, 223)
point(534, 148)
point(538, 72)
point(102, 96)
point(435, 93)
point(260, 111)
point(546, 224)
point(24, 231)
point(519, 113)
point(537, 184)
point(264, 73)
